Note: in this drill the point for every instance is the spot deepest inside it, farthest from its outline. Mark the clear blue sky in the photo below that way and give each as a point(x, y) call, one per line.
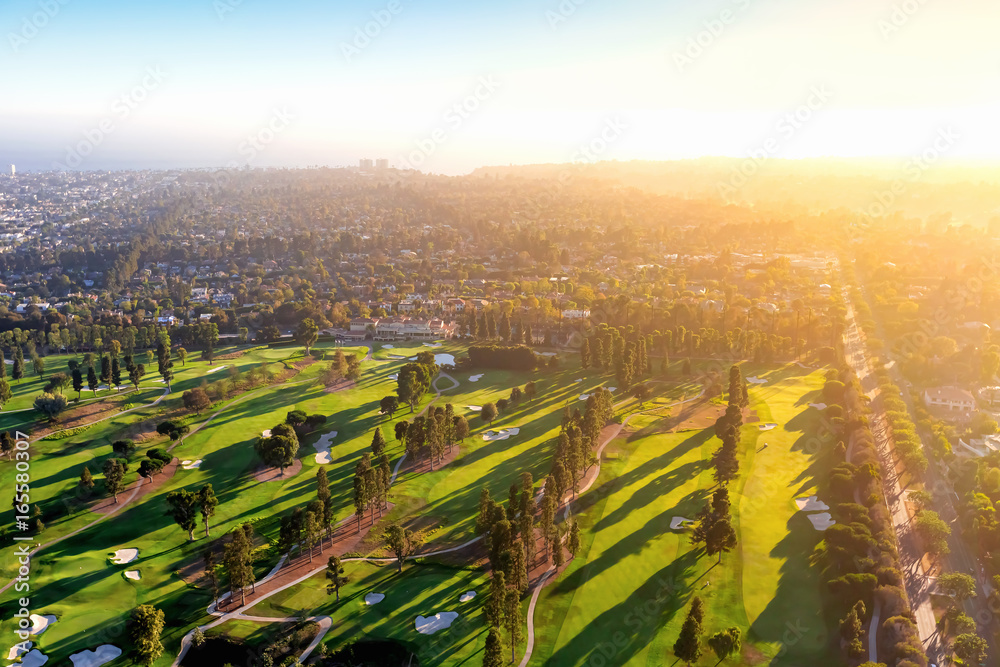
point(533, 82)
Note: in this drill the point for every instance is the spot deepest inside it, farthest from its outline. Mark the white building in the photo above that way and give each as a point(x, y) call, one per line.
point(951, 399)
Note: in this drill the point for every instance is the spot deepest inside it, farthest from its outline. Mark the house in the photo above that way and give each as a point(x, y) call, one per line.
point(575, 314)
point(402, 328)
point(980, 447)
point(950, 399)
point(990, 396)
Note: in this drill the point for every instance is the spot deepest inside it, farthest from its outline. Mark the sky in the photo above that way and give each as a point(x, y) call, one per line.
point(446, 86)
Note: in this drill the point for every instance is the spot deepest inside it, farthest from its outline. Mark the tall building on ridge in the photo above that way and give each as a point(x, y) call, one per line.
point(381, 164)
point(366, 165)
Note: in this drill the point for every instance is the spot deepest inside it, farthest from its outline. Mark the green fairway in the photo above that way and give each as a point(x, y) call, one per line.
point(634, 576)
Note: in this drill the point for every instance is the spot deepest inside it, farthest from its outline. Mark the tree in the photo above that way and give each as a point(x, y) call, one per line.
point(77, 382)
point(726, 642)
point(123, 448)
point(388, 405)
point(573, 544)
point(362, 492)
point(720, 537)
point(307, 333)
point(237, 562)
point(312, 526)
point(86, 482)
point(400, 541)
point(413, 381)
point(400, 429)
point(585, 354)
point(196, 400)
point(488, 413)
point(933, 531)
point(50, 405)
point(207, 502)
point(461, 428)
point(184, 510)
point(493, 653)
point(92, 383)
point(145, 627)
point(512, 616)
point(688, 644)
point(114, 476)
point(642, 394)
point(378, 443)
point(280, 448)
point(182, 354)
point(17, 372)
point(498, 598)
point(39, 365)
point(851, 631)
point(335, 577)
point(116, 373)
point(324, 497)
point(959, 586)
point(970, 648)
point(135, 375)
point(529, 390)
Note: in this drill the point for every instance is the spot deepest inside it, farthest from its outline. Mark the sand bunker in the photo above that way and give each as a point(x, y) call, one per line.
point(578, 380)
point(35, 658)
point(431, 624)
point(40, 624)
point(388, 347)
point(374, 598)
point(756, 380)
point(191, 465)
point(323, 446)
point(18, 649)
point(546, 354)
point(476, 378)
point(770, 426)
point(474, 408)
point(133, 575)
point(818, 406)
point(502, 434)
point(821, 521)
point(811, 504)
point(265, 434)
point(216, 369)
point(394, 376)
point(99, 656)
point(444, 359)
point(467, 595)
point(612, 389)
point(679, 522)
point(123, 556)
point(432, 344)
point(584, 397)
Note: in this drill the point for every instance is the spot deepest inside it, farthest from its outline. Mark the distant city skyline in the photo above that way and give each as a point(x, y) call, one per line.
point(448, 87)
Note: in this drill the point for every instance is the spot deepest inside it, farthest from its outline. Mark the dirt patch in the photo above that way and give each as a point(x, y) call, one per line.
point(696, 416)
point(424, 463)
point(81, 415)
point(346, 538)
point(343, 384)
point(264, 474)
point(230, 355)
point(753, 656)
point(147, 487)
point(750, 416)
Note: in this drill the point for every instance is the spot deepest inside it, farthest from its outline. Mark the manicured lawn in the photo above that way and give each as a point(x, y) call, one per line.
point(624, 597)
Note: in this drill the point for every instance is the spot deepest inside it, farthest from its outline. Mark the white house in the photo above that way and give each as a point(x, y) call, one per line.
point(951, 399)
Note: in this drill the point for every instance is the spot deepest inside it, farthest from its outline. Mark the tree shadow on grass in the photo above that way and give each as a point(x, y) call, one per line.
point(626, 629)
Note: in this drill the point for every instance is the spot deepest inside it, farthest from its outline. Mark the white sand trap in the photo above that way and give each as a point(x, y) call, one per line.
point(811, 504)
point(502, 434)
point(432, 344)
point(11, 362)
point(323, 446)
point(216, 369)
point(612, 389)
point(547, 354)
point(373, 598)
point(123, 556)
point(770, 426)
point(821, 521)
point(40, 624)
point(431, 624)
point(756, 380)
point(388, 347)
point(394, 376)
point(444, 359)
point(18, 649)
point(133, 575)
point(818, 406)
point(584, 397)
point(476, 378)
point(679, 522)
point(474, 408)
point(467, 595)
point(191, 465)
point(265, 434)
point(101, 655)
point(160, 380)
point(578, 380)
point(35, 658)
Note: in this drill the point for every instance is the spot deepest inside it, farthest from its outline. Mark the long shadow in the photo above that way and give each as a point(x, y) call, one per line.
point(635, 621)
